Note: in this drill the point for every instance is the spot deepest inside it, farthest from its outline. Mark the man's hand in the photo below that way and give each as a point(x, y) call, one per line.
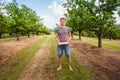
point(57, 38)
point(62, 43)
point(58, 41)
point(69, 39)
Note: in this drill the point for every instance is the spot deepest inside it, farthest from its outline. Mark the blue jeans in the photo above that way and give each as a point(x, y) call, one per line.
point(66, 49)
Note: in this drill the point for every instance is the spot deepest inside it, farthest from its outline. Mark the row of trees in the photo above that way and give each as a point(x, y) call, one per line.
point(90, 16)
point(110, 34)
point(15, 19)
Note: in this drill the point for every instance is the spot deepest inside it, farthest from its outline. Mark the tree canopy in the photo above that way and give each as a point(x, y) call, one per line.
point(89, 15)
point(20, 20)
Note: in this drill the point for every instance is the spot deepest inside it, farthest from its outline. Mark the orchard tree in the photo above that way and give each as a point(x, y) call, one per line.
point(102, 14)
point(3, 19)
point(76, 16)
point(15, 14)
point(3, 25)
point(85, 14)
point(30, 19)
point(19, 20)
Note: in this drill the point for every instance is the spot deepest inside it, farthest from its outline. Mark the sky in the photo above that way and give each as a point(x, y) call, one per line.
point(50, 10)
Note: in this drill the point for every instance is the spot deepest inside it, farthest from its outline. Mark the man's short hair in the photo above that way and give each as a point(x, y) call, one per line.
point(62, 18)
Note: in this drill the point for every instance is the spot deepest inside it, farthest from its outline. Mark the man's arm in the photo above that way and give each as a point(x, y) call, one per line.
point(69, 36)
point(57, 37)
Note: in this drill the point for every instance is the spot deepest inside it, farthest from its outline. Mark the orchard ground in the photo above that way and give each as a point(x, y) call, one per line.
point(35, 58)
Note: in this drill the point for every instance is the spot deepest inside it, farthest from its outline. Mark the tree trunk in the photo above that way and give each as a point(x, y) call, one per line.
point(99, 41)
point(17, 35)
point(37, 33)
point(80, 34)
point(28, 34)
point(110, 36)
point(100, 38)
point(0, 35)
point(72, 34)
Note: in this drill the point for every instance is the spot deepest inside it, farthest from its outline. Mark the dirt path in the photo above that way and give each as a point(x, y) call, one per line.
point(12, 47)
point(103, 63)
point(36, 68)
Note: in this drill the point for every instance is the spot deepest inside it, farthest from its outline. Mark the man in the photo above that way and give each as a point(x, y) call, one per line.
point(63, 36)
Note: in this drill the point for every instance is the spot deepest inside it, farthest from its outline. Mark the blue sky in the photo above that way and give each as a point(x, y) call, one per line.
point(50, 10)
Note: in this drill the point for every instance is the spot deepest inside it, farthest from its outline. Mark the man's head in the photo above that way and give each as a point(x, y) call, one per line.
point(62, 21)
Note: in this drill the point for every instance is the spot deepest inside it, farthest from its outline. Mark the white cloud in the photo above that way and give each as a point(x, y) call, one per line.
point(57, 8)
point(49, 21)
point(56, 11)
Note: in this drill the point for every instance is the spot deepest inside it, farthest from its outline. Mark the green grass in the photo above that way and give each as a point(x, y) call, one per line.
point(79, 72)
point(15, 67)
point(105, 43)
point(109, 45)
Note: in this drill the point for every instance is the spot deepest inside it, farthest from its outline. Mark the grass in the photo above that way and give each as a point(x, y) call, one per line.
point(105, 43)
point(79, 72)
point(15, 67)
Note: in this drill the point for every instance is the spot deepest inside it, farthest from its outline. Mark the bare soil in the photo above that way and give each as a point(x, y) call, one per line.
point(9, 48)
point(104, 64)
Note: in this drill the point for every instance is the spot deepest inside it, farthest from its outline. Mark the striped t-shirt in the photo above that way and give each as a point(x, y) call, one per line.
point(63, 33)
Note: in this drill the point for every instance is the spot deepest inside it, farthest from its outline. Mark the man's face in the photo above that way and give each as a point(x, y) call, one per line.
point(62, 22)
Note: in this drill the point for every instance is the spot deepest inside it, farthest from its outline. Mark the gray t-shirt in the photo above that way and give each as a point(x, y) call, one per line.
point(63, 33)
